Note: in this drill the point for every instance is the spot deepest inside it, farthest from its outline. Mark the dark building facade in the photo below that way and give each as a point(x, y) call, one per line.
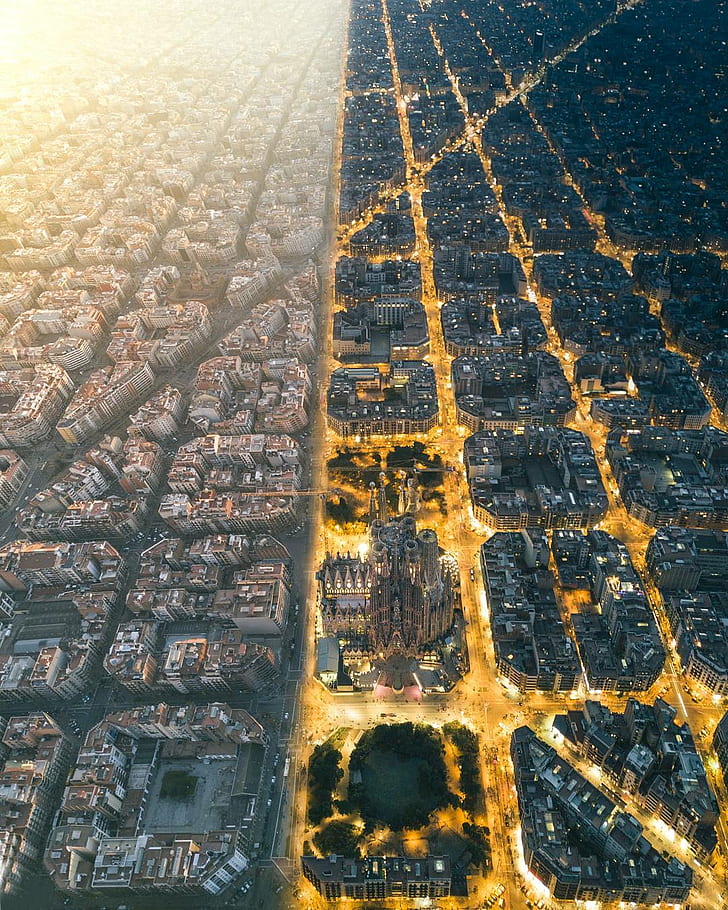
point(378, 877)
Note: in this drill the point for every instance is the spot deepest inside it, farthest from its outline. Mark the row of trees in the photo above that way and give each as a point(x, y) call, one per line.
point(324, 773)
point(479, 846)
point(466, 745)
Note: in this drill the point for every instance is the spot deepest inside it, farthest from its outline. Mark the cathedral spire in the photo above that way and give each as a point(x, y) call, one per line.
point(383, 507)
point(413, 495)
point(372, 502)
point(402, 504)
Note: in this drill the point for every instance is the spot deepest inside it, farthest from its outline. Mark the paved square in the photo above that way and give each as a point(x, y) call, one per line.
point(205, 810)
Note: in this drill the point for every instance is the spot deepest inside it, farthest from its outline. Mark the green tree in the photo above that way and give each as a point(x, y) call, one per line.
point(338, 837)
point(339, 510)
point(478, 845)
point(420, 747)
point(466, 745)
point(324, 773)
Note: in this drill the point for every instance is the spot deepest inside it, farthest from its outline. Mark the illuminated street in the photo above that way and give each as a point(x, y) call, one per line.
point(364, 455)
point(482, 700)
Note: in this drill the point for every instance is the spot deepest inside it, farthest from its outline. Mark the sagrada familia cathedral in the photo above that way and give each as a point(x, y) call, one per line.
point(396, 599)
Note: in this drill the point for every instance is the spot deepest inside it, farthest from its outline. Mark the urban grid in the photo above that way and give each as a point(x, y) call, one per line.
point(364, 454)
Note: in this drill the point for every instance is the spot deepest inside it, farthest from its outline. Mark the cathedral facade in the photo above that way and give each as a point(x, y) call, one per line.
point(398, 598)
